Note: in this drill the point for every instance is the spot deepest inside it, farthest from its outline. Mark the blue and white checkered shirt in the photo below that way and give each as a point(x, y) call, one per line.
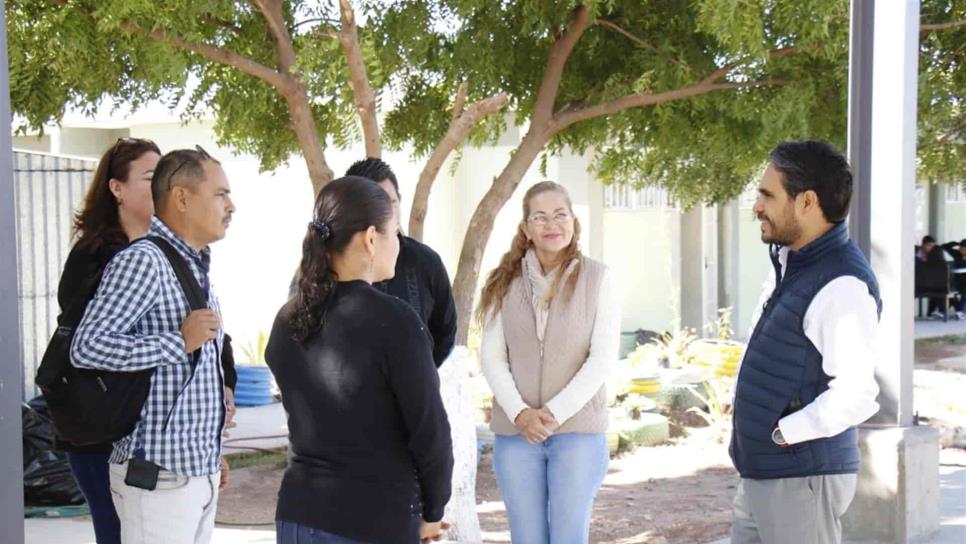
point(133, 323)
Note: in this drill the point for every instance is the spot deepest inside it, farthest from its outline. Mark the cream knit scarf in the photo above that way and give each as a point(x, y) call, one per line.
point(540, 287)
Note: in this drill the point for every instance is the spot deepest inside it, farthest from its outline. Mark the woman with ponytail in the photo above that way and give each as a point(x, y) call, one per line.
point(371, 457)
point(551, 330)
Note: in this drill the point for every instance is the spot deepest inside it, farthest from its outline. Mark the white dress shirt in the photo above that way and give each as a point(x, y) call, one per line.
point(841, 322)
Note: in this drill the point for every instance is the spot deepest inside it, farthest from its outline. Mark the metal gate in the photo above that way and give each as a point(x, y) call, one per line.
point(49, 190)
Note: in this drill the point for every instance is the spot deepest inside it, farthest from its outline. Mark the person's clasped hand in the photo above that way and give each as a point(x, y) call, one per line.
point(536, 425)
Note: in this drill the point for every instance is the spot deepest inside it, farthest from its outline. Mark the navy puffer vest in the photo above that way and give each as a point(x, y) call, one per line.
point(782, 370)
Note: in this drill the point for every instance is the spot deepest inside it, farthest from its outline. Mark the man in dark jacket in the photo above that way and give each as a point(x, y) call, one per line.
point(808, 375)
point(421, 279)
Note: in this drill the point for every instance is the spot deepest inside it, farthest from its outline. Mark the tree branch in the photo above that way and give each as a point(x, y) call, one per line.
point(314, 20)
point(364, 98)
point(553, 72)
point(567, 118)
point(287, 85)
point(617, 28)
point(942, 138)
point(928, 27)
point(460, 101)
point(724, 70)
point(223, 23)
point(285, 52)
point(214, 53)
point(459, 128)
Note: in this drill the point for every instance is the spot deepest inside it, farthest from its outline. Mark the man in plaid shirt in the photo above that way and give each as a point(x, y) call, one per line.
point(140, 318)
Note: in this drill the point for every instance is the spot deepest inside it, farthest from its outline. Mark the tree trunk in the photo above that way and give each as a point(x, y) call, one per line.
point(459, 128)
point(363, 96)
point(481, 225)
point(303, 123)
point(454, 378)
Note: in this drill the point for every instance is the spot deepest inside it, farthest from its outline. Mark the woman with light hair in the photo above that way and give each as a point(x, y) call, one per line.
point(551, 330)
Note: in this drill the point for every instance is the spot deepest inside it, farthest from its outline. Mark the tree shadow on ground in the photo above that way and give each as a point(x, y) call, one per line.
point(688, 509)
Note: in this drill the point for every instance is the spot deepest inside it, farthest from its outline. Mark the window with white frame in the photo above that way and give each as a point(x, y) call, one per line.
point(955, 192)
point(626, 197)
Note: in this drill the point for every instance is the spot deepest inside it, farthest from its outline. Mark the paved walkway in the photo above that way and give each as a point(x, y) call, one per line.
point(265, 423)
point(269, 421)
point(927, 328)
point(952, 509)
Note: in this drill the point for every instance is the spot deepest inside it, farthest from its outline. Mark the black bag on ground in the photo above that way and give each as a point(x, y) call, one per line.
point(96, 406)
point(47, 480)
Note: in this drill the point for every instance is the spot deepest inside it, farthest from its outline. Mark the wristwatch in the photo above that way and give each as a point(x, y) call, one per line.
point(777, 438)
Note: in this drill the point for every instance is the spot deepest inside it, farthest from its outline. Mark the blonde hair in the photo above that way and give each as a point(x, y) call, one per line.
point(511, 264)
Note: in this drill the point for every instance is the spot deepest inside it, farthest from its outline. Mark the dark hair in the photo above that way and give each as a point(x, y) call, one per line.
point(178, 168)
point(374, 169)
point(927, 240)
point(936, 255)
point(98, 222)
point(812, 165)
point(343, 208)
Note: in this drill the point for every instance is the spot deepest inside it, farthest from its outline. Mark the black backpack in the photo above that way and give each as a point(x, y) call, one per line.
point(97, 406)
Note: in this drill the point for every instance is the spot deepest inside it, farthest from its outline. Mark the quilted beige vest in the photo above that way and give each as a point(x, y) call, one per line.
point(542, 371)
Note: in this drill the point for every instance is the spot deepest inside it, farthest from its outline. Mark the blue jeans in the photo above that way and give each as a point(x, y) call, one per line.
point(94, 480)
point(288, 532)
point(549, 488)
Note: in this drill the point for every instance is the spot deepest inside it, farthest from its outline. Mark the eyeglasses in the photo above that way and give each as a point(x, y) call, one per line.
point(117, 145)
point(542, 220)
point(201, 152)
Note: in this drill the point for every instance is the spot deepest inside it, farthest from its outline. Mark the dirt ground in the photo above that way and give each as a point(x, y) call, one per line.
point(680, 492)
point(677, 493)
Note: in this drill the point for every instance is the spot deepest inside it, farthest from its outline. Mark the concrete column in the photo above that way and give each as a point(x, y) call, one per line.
point(595, 202)
point(699, 268)
point(937, 212)
point(728, 234)
point(11, 452)
point(897, 499)
point(692, 312)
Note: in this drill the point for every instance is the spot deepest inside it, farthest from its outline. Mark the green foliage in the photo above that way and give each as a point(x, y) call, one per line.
point(721, 328)
point(254, 352)
point(80, 54)
point(942, 84)
point(715, 409)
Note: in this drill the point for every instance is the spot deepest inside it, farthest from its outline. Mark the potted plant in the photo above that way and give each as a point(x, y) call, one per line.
point(255, 382)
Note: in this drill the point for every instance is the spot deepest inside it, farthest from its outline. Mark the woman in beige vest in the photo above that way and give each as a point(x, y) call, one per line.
point(551, 329)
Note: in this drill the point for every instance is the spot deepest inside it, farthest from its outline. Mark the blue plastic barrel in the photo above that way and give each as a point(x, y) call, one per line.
point(254, 386)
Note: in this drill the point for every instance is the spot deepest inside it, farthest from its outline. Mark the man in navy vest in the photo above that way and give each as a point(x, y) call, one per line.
point(807, 377)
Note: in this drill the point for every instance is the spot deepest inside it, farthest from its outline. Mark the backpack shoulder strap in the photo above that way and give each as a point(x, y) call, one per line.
point(197, 299)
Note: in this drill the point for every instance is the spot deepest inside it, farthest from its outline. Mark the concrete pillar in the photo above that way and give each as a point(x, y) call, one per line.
point(728, 248)
point(897, 499)
point(699, 268)
point(11, 452)
point(937, 212)
point(595, 202)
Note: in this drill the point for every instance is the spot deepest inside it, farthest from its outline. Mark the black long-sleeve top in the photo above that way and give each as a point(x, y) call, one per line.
point(370, 441)
point(77, 284)
point(421, 280)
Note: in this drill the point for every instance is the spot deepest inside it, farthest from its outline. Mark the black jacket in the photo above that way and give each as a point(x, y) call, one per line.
point(421, 280)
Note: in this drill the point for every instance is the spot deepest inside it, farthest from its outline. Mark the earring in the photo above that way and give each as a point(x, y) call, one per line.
point(120, 201)
point(371, 263)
